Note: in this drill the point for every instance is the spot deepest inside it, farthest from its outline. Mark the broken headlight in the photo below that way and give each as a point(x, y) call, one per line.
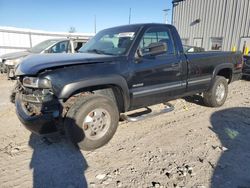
point(13, 62)
point(35, 82)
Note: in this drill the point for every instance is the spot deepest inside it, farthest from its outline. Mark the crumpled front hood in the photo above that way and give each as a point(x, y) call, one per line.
point(15, 55)
point(33, 64)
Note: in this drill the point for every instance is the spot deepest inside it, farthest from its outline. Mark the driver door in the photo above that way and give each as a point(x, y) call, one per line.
point(156, 78)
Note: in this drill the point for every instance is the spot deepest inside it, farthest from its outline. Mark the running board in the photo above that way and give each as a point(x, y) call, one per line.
point(132, 118)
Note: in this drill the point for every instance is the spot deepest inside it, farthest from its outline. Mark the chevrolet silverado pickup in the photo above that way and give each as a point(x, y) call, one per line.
point(119, 70)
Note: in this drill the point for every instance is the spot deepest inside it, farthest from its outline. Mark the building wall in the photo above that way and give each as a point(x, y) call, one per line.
point(17, 39)
point(212, 20)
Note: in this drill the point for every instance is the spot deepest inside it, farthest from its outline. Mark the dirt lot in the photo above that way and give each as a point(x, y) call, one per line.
point(193, 146)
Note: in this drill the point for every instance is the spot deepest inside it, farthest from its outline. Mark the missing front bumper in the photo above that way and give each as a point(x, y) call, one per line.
point(44, 123)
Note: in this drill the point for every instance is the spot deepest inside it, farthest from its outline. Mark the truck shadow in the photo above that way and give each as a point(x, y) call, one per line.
point(232, 127)
point(195, 99)
point(56, 163)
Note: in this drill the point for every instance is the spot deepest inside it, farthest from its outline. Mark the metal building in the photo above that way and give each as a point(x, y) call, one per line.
point(213, 24)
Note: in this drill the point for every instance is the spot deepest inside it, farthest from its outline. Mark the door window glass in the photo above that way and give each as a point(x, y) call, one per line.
point(77, 45)
point(60, 47)
point(155, 35)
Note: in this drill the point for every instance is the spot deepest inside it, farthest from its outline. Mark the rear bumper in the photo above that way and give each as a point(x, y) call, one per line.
point(38, 124)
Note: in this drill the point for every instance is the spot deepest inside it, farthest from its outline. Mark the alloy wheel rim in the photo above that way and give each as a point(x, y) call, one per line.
point(96, 123)
point(220, 92)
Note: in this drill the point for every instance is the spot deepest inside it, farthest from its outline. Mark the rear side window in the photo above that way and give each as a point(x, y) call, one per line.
point(77, 45)
point(157, 34)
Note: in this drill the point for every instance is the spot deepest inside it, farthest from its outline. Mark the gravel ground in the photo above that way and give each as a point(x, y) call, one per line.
point(192, 146)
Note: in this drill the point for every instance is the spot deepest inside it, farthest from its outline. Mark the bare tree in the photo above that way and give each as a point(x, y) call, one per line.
point(72, 29)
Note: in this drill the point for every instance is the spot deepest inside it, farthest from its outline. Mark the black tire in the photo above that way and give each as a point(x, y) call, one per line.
point(75, 122)
point(211, 97)
point(245, 77)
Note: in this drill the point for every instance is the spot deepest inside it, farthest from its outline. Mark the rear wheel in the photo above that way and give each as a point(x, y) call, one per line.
point(217, 94)
point(92, 121)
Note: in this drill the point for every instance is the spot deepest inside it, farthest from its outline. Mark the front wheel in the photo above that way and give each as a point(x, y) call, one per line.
point(217, 94)
point(92, 121)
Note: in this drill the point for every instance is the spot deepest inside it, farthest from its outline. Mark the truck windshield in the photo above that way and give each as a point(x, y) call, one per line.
point(42, 46)
point(114, 41)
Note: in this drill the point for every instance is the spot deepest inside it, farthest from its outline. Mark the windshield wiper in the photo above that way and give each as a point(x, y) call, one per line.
point(96, 51)
point(99, 52)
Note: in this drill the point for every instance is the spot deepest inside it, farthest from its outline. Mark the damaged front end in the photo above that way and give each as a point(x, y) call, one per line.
point(36, 106)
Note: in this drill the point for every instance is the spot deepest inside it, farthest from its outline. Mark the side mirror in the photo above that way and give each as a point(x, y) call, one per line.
point(156, 48)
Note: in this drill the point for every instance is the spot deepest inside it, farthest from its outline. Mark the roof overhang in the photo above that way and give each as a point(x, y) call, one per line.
point(177, 1)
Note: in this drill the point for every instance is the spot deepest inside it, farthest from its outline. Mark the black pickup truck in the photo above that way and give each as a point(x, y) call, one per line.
point(119, 70)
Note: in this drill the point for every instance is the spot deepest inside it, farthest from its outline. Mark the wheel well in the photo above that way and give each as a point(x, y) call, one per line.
point(227, 73)
point(112, 91)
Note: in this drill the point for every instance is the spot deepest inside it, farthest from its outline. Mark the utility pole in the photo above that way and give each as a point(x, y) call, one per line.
point(95, 24)
point(129, 18)
point(166, 15)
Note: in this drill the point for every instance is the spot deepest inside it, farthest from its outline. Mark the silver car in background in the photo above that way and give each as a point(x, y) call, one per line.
point(9, 61)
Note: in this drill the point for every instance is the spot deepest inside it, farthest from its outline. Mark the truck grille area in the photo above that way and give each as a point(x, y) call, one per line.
point(39, 101)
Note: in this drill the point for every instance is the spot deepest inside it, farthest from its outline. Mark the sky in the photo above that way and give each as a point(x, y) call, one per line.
point(60, 15)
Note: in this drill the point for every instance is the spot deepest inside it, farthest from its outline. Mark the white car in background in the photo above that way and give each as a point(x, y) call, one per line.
point(9, 61)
